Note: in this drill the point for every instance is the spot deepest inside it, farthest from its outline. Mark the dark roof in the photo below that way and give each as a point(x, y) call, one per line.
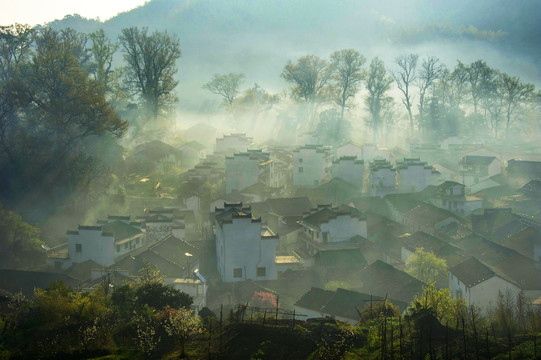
point(82, 271)
point(472, 272)
point(477, 160)
point(348, 303)
point(26, 281)
point(121, 230)
point(341, 259)
point(315, 299)
point(523, 271)
point(380, 278)
point(327, 213)
point(156, 150)
point(447, 184)
point(175, 249)
point(532, 186)
point(427, 214)
point(295, 206)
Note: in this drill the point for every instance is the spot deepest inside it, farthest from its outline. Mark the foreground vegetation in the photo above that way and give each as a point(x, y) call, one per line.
point(147, 319)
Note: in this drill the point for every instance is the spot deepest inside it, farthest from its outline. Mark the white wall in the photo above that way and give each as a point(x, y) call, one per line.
point(94, 247)
point(349, 170)
point(313, 164)
point(241, 171)
point(343, 228)
point(239, 245)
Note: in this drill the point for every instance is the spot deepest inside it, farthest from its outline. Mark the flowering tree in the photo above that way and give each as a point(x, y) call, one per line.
point(181, 324)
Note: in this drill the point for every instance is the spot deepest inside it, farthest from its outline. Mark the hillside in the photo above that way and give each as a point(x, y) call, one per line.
point(257, 38)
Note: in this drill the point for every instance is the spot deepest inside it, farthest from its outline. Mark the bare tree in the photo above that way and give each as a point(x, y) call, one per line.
point(516, 97)
point(377, 84)
point(431, 70)
point(226, 86)
point(151, 60)
point(101, 67)
point(405, 78)
point(347, 77)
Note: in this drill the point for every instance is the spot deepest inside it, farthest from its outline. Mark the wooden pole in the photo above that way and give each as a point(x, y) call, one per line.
point(221, 325)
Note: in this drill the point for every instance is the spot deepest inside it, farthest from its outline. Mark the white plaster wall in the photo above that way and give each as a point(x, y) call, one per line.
point(485, 294)
point(240, 172)
point(313, 165)
point(349, 171)
point(343, 228)
point(95, 247)
point(239, 245)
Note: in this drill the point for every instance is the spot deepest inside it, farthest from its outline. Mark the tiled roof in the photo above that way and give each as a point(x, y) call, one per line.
point(472, 272)
point(315, 299)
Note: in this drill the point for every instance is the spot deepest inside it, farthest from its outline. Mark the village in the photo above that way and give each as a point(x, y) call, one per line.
point(322, 229)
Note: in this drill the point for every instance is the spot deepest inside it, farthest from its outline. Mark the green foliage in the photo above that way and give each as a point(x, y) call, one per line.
point(378, 310)
point(49, 107)
point(426, 266)
point(227, 86)
point(437, 302)
point(347, 76)
point(19, 241)
point(151, 60)
point(180, 324)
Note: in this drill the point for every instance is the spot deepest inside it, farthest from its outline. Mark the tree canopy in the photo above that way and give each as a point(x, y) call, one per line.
point(151, 60)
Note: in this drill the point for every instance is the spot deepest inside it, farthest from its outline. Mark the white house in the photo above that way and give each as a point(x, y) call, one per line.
point(478, 284)
point(349, 149)
point(382, 178)
point(414, 175)
point(350, 169)
point(90, 243)
point(328, 228)
point(230, 144)
point(452, 197)
point(473, 169)
point(308, 138)
point(248, 168)
point(244, 248)
point(309, 165)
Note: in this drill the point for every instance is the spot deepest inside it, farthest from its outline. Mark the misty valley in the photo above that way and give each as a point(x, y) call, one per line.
point(272, 180)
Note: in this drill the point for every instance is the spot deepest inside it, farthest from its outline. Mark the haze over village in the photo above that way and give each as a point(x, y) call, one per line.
point(272, 180)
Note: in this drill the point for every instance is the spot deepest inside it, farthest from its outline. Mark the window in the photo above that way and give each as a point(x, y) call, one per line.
point(237, 273)
point(300, 160)
point(118, 248)
point(261, 271)
point(125, 245)
point(78, 248)
point(301, 169)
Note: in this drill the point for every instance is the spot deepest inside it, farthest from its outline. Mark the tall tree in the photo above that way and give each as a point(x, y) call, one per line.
point(310, 79)
point(377, 84)
point(102, 51)
point(15, 48)
point(347, 78)
point(478, 74)
point(431, 70)
point(405, 77)
point(56, 106)
point(227, 86)
point(517, 96)
point(151, 60)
